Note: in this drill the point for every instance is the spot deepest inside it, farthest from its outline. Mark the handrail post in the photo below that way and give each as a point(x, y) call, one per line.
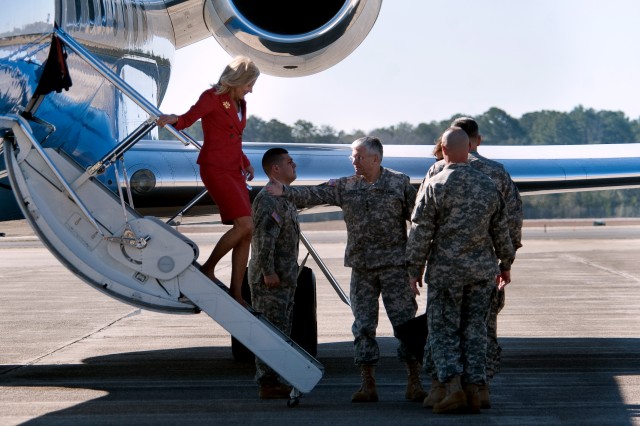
point(120, 84)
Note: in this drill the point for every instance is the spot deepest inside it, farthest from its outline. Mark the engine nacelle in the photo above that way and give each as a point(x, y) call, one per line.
point(291, 38)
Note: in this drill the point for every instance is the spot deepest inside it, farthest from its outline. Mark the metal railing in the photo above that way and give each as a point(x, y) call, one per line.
point(138, 133)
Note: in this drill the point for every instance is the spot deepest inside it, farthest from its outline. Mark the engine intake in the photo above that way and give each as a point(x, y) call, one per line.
point(291, 38)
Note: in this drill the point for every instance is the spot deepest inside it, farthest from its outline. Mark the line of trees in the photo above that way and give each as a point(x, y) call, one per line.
point(579, 126)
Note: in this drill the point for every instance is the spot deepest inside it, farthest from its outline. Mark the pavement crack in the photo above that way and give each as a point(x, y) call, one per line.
point(73, 342)
point(601, 267)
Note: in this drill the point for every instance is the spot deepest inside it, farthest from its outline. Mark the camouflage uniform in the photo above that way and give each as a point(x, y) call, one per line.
point(376, 216)
point(505, 185)
point(274, 249)
point(459, 225)
point(511, 196)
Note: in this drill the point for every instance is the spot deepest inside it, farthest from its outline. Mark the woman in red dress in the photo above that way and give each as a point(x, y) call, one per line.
point(224, 168)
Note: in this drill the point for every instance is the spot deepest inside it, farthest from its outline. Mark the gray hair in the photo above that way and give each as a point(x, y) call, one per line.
point(371, 144)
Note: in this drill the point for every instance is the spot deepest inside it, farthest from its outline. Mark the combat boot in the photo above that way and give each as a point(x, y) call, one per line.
point(414, 392)
point(273, 390)
point(367, 391)
point(436, 394)
point(455, 401)
point(473, 398)
point(485, 399)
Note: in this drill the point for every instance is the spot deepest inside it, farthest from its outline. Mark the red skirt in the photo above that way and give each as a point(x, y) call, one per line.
point(229, 191)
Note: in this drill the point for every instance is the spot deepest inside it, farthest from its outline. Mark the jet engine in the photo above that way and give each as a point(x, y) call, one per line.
point(291, 38)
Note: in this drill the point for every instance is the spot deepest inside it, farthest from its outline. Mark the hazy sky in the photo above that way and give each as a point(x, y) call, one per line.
point(427, 60)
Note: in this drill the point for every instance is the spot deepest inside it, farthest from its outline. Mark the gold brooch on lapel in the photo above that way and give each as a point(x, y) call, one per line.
point(226, 105)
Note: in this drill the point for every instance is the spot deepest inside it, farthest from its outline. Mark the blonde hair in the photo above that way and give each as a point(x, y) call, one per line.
point(240, 72)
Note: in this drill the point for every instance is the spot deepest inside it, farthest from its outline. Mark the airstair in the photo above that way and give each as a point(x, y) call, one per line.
point(137, 259)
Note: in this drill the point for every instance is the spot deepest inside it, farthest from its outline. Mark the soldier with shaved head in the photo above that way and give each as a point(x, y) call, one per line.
point(515, 216)
point(459, 227)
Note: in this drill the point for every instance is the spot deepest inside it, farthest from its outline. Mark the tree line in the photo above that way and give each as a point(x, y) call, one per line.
point(579, 126)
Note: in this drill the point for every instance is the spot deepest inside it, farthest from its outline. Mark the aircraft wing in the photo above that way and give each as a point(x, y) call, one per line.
point(164, 175)
point(534, 169)
point(157, 176)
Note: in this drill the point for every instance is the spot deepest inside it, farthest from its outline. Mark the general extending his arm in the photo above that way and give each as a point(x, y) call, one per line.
point(308, 196)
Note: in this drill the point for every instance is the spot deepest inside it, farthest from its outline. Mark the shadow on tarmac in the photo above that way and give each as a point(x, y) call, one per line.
point(543, 381)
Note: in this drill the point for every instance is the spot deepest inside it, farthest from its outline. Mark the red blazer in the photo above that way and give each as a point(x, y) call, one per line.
point(222, 147)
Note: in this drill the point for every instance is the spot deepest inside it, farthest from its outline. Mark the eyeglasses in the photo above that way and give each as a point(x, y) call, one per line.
point(357, 158)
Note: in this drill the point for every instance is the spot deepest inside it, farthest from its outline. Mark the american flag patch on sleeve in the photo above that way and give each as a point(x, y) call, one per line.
point(276, 217)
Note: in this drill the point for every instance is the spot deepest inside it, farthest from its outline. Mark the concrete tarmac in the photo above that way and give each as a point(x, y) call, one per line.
point(570, 334)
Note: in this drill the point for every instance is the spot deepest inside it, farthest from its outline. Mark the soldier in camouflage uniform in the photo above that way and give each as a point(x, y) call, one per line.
point(377, 203)
point(273, 268)
point(509, 191)
point(496, 172)
point(459, 225)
